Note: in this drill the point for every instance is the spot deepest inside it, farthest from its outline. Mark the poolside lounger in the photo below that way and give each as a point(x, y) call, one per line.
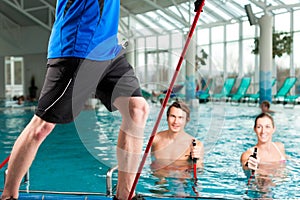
point(291, 99)
point(255, 97)
point(204, 95)
point(146, 94)
point(285, 88)
point(228, 84)
point(241, 91)
point(173, 97)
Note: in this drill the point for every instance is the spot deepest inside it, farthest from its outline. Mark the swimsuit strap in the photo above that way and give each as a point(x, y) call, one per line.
point(276, 147)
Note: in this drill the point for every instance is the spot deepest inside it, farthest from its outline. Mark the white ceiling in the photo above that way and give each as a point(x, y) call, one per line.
point(148, 16)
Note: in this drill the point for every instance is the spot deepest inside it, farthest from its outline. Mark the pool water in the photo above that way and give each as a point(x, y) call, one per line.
point(76, 156)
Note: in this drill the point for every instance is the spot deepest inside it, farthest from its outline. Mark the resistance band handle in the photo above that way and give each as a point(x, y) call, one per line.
point(194, 144)
point(197, 5)
point(254, 155)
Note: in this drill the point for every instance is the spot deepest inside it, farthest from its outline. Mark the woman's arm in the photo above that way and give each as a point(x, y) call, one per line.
point(244, 160)
point(248, 161)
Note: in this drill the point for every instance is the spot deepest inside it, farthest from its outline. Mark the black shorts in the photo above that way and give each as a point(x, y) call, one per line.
point(70, 82)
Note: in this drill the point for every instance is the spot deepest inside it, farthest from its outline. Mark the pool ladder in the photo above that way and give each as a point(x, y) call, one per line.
point(26, 180)
point(109, 186)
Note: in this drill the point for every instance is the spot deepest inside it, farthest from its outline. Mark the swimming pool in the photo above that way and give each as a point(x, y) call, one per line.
point(76, 156)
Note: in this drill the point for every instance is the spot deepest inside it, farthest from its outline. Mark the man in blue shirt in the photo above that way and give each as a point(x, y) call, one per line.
point(84, 58)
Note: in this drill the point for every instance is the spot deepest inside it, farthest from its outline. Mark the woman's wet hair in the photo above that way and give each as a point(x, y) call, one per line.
point(181, 105)
point(262, 115)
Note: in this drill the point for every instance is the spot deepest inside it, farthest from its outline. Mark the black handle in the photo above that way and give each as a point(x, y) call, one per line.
point(197, 4)
point(254, 155)
point(194, 144)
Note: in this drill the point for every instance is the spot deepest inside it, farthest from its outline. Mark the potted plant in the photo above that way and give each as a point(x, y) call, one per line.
point(282, 43)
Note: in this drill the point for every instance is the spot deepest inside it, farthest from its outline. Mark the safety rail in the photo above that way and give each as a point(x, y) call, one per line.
point(26, 179)
point(109, 187)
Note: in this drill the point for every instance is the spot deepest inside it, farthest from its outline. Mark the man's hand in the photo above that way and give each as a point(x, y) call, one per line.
point(195, 151)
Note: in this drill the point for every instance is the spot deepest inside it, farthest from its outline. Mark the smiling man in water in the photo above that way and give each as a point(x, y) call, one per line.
point(172, 149)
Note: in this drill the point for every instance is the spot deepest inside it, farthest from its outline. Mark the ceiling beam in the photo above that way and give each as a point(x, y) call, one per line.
point(155, 22)
point(290, 6)
point(179, 11)
point(138, 20)
point(19, 6)
point(169, 21)
point(167, 12)
point(224, 10)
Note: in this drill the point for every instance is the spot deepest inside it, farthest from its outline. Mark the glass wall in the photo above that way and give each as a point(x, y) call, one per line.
point(222, 51)
point(295, 61)
point(14, 77)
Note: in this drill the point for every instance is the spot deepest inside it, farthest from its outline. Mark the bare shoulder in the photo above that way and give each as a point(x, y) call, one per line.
point(280, 145)
point(245, 155)
point(159, 136)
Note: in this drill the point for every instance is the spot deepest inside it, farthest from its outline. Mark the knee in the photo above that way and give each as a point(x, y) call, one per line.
point(39, 129)
point(139, 110)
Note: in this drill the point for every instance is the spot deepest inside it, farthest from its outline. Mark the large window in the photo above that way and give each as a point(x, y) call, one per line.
point(232, 58)
point(217, 34)
point(203, 36)
point(248, 64)
point(296, 20)
point(296, 51)
point(232, 32)
point(217, 57)
point(228, 48)
point(14, 77)
point(282, 24)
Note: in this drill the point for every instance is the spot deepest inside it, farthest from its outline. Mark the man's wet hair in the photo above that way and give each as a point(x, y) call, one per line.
point(181, 105)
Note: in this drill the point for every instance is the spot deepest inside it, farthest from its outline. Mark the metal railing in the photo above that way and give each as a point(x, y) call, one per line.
point(109, 187)
point(26, 179)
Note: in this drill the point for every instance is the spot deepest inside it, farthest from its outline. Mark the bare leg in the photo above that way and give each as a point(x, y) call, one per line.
point(134, 113)
point(23, 153)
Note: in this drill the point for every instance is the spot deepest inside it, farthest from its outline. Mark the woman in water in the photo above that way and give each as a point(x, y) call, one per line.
point(267, 158)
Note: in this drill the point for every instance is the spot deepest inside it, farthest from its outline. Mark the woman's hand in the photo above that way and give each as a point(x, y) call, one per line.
point(252, 163)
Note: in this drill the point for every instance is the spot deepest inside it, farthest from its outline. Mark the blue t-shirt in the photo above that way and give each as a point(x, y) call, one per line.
point(85, 29)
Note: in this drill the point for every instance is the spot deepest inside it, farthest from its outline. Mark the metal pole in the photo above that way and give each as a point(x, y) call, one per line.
point(198, 8)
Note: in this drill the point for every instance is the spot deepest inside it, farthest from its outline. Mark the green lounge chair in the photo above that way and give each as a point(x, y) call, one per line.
point(147, 95)
point(255, 97)
point(291, 99)
point(242, 89)
point(285, 88)
point(229, 82)
point(204, 95)
point(173, 97)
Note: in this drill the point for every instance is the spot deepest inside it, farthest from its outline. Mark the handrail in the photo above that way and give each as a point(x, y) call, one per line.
point(26, 179)
point(109, 188)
